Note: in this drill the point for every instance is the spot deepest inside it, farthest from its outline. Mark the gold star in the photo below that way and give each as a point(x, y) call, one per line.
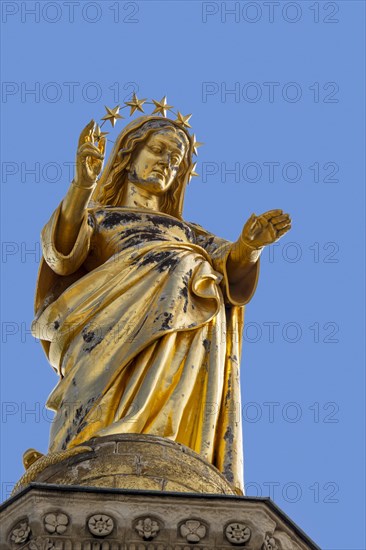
point(161, 107)
point(193, 174)
point(98, 134)
point(196, 144)
point(135, 104)
point(112, 115)
point(183, 120)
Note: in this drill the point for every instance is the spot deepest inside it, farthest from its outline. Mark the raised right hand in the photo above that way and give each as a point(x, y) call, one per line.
point(89, 157)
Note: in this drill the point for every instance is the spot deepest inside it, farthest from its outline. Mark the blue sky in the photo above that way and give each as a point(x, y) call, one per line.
point(276, 94)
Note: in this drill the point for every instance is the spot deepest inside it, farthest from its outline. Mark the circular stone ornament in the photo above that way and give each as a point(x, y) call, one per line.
point(55, 523)
point(100, 525)
point(237, 533)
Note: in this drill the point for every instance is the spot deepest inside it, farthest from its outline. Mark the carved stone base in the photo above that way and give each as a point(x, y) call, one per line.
point(51, 517)
point(138, 492)
point(132, 461)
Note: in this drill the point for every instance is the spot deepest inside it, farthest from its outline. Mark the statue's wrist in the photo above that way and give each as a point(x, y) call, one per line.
point(244, 252)
point(88, 187)
point(249, 245)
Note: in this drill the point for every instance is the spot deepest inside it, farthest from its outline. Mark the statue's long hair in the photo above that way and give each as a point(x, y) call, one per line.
point(111, 192)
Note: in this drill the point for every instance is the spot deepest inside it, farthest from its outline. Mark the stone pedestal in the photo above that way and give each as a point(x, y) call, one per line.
point(52, 517)
point(137, 492)
point(130, 461)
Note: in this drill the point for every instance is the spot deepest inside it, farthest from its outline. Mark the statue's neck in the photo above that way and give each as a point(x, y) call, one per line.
point(136, 197)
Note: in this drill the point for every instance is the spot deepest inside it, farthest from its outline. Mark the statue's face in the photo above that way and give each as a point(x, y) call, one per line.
point(155, 164)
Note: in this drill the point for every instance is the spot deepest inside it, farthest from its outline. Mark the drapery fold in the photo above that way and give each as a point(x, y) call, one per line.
point(140, 322)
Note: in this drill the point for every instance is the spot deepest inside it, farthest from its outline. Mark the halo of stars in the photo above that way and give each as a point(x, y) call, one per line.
point(160, 108)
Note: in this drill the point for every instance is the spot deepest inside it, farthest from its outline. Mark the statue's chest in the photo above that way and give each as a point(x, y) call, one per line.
point(118, 230)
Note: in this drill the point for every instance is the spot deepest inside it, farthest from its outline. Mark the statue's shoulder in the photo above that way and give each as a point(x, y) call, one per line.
point(198, 229)
point(205, 238)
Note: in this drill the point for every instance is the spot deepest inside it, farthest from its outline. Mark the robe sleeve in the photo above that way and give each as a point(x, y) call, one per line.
point(66, 264)
point(237, 294)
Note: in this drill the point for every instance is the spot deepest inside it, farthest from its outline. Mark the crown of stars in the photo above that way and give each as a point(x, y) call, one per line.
point(98, 134)
point(183, 120)
point(112, 115)
point(196, 144)
point(135, 104)
point(161, 108)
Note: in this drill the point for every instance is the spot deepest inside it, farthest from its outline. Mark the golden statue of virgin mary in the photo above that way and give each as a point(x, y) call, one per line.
point(140, 312)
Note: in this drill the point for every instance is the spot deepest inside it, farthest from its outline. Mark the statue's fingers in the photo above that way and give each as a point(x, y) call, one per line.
point(90, 149)
point(90, 138)
point(90, 153)
point(250, 223)
point(280, 219)
point(88, 145)
point(86, 132)
point(272, 213)
point(283, 231)
point(282, 225)
point(102, 144)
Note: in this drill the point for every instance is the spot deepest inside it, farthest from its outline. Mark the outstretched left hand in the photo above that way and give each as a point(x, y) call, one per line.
point(265, 229)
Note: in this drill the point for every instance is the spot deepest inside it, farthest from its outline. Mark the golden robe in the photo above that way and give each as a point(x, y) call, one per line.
point(141, 324)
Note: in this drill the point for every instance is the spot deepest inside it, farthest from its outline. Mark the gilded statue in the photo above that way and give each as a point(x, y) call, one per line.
point(139, 311)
